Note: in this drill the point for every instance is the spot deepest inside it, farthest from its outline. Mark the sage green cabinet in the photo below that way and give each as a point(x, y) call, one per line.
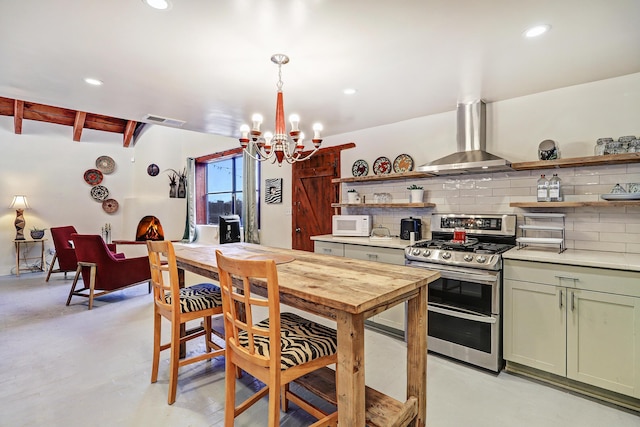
point(581, 323)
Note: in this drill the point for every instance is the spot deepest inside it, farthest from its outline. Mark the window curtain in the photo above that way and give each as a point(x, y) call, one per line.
point(249, 199)
point(190, 232)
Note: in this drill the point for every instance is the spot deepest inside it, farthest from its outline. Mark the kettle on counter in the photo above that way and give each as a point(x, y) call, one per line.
point(408, 225)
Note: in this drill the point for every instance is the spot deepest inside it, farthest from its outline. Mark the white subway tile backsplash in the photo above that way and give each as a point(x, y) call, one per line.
point(600, 246)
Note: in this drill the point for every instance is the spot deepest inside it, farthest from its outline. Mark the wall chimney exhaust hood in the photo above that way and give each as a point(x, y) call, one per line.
point(471, 156)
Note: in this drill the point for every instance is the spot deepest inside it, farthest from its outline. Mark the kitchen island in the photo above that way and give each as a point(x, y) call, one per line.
point(347, 291)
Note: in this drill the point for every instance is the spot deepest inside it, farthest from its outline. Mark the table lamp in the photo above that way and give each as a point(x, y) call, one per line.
point(19, 203)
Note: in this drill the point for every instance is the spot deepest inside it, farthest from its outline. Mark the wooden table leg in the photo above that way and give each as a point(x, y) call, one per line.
point(183, 329)
point(417, 353)
point(17, 258)
point(350, 370)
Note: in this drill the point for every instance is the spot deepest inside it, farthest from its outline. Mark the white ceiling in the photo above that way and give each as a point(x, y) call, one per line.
point(207, 62)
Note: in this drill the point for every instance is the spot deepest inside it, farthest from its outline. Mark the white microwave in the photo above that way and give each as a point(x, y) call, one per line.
point(351, 225)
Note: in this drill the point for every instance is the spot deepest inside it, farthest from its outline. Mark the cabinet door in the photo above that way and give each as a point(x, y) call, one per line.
point(377, 254)
point(328, 248)
point(603, 340)
point(534, 330)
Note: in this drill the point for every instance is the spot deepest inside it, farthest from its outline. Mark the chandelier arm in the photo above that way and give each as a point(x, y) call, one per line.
point(302, 159)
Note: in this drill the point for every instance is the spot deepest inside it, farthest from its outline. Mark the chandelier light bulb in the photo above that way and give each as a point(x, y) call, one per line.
point(257, 121)
point(317, 128)
point(244, 131)
point(295, 121)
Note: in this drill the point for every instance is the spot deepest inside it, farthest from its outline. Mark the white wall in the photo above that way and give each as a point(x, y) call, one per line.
point(48, 166)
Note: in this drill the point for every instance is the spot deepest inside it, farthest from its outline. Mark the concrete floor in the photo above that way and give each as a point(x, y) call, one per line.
point(67, 366)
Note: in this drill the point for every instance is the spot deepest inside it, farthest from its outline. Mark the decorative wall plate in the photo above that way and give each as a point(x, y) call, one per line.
point(360, 168)
point(110, 205)
point(99, 193)
point(403, 163)
point(93, 176)
point(153, 169)
point(105, 164)
point(382, 166)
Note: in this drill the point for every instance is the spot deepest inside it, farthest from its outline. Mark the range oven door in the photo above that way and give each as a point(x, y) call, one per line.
point(464, 315)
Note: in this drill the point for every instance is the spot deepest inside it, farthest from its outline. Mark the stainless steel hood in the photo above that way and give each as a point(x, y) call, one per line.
point(471, 137)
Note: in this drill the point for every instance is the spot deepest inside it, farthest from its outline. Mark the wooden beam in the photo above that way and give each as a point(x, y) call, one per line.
point(127, 135)
point(18, 114)
point(78, 125)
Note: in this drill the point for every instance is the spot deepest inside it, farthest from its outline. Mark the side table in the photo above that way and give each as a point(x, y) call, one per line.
point(19, 243)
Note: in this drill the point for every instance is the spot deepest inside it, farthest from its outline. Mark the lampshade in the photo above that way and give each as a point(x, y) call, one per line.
point(19, 202)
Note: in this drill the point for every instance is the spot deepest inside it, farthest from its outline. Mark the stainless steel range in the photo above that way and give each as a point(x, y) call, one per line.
point(464, 319)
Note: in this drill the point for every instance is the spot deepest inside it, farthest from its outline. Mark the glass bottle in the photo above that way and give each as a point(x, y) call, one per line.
point(543, 189)
point(599, 150)
point(554, 189)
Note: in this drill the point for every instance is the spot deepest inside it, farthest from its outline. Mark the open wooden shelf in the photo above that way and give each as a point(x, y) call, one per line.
point(387, 177)
point(383, 205)
point(609, 159)
point(600, 204)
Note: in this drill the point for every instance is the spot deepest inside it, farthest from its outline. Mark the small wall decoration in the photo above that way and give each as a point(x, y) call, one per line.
point(178, 184)
point(153, 169)
point(273, 190)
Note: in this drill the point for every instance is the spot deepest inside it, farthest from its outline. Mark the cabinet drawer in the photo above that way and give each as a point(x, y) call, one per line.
point(328, 248)
point(589, 278)
point(371, 253)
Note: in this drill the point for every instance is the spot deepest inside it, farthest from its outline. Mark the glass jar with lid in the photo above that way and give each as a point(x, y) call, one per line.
point(634, 146)
point(615, 147)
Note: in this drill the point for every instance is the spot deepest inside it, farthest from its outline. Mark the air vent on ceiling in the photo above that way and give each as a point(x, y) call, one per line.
point(150, 118)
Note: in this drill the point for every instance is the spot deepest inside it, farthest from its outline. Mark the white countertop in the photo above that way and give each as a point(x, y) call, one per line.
point(394, 242)
point(615, 260)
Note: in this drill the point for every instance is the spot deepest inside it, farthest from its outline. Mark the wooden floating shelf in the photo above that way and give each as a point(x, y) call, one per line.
point(608, 159)
point(383, 205)
point(600, 204)
point(387, 177)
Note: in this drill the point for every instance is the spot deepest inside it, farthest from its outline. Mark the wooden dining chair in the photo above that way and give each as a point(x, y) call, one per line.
point(277, 350)
point(194, 302)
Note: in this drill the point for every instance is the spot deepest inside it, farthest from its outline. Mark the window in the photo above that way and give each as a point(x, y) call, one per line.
point(221, 186)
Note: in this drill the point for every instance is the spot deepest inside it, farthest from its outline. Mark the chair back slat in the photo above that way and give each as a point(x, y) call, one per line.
point(164, 273)
point(238, 303)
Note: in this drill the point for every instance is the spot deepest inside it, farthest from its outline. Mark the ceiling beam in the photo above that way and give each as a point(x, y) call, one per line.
point(78, 124)
point(18, 114)
point(127, 135)
point(78, 120)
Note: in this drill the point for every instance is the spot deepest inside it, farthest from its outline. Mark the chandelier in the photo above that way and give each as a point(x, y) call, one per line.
point(279, 147)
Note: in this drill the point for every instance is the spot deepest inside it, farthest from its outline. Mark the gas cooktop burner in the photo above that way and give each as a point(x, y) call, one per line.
point(471, 245)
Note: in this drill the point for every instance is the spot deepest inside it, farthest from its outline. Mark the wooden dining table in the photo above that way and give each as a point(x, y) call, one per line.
point(346, 291)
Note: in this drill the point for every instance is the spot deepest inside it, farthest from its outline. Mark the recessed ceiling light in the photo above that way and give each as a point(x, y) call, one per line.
point(536, 31)
point(349, 91)
point(158, 4)
point(93, 82)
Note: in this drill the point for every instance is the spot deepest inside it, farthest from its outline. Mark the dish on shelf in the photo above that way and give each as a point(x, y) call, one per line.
point(382, 166)
point(621, 196)
point(360, 168)
point(93, 176)
point(99, 193)
point(110, 205)
point(403, 163)
point(105, 164)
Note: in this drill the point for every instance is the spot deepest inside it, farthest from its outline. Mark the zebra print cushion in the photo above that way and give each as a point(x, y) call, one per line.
point(302, 340)
point(198, 297)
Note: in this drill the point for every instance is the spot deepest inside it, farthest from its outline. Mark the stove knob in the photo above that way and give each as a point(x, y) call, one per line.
point(446, 255)
point(468, 258)
point(481, 259)
point(415, 251)
point(426, 253)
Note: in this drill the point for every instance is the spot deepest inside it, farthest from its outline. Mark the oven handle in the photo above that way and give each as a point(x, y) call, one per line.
point(468, 277)
point(459, 314)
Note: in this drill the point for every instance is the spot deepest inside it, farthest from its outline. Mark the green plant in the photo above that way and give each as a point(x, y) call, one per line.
point(34, 228)
point(414, 187)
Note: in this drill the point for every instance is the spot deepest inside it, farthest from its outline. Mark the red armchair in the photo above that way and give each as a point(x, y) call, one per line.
point(102, 271)
point(65, 253)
